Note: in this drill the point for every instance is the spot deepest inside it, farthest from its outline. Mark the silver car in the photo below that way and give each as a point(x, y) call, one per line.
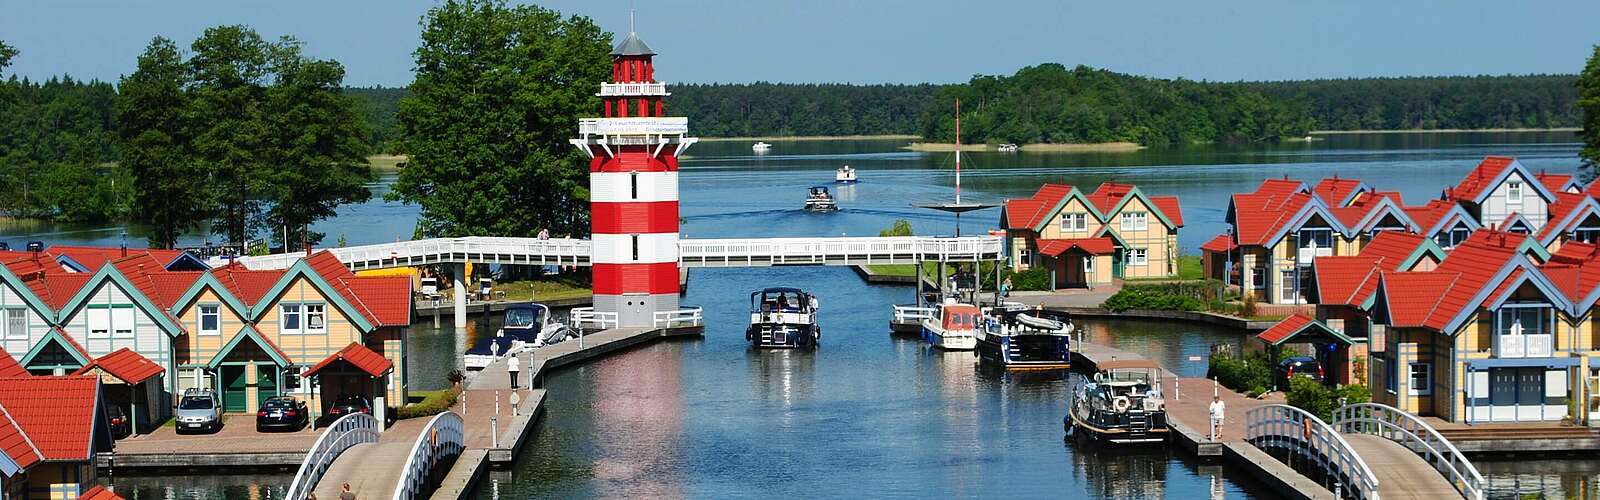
point(199, 410)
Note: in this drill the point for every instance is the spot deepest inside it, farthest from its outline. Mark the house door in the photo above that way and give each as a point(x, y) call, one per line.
point(1530, 394)
point(1118, 262)
point(1502, 394)
point(266, 381)
point(234, 385)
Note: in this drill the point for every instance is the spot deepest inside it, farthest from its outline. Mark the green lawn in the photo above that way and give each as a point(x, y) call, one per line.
point(893, 269)
point(1189, 268)
point(554, 288)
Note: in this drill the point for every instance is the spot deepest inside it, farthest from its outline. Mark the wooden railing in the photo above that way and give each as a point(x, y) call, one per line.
point(1395, 425)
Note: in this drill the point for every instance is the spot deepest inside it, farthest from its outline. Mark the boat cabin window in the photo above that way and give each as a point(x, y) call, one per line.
point(522, 318)
point(787, 301)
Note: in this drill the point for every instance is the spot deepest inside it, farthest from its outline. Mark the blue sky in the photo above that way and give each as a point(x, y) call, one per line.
point(872, 41)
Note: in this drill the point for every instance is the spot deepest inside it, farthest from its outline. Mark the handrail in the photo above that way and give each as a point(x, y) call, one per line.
point(904, 314)
point(441, 439)
point(586, 318)
point(1408, 430)
point(688, 317)
point(1284, 426)
point(347, 431)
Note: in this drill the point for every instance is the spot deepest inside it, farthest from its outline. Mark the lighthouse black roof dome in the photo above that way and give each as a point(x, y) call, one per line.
point(632, 46)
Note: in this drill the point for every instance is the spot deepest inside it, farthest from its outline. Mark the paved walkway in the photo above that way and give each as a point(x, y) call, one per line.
point(1401, 472)
point(1066, 298)
point(373, 469)
point(238, 435)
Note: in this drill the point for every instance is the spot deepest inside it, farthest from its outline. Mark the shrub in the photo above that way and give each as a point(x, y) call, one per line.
point(1154, 298)
point(1037, 278)
point(901, 227)
point(1317, 399)
point(1250, 375)
point(434, 404)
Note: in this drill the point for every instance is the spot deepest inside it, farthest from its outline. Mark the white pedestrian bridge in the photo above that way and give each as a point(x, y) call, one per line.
point(731, 252)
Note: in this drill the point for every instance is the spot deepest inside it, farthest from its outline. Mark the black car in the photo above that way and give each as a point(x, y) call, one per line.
point(346, 404)
point(1297, 366)
point(121, 425)
point(282, 412)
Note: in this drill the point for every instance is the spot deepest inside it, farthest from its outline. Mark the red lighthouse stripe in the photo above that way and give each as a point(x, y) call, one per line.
point(617, 279)
point(632, 159)
point(634, 217)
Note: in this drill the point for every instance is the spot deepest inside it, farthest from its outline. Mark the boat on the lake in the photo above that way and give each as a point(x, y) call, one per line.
point(819, 200)
point(782, 317)
point(1121, 405)
point(954, 326)
point(845, 174)
point(526, 326)
point(760, 147)
point(1018, 339)
point(1008, 148)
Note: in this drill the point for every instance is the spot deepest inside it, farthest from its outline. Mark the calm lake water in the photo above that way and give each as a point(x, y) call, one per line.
point(869, 414)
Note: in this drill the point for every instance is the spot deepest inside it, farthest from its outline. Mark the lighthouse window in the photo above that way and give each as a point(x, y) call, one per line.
point(635, 247)
point(633, 179)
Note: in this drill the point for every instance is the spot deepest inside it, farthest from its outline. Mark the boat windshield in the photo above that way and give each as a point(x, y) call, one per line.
point(961, 318)
point(522, 318)
point(783, 301)
point(1137, 375)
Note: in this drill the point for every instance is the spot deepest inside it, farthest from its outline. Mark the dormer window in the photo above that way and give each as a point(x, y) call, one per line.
point(1514, 192)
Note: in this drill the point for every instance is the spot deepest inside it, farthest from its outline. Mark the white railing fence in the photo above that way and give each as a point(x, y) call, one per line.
point(911, 314)
point(586, 318)
point(1288, 428)
point(631, 89)
point(441, 440)
point(689, 317)
point(1395, 425)
point(864, 250)
point(488, 249)
point(347, 431)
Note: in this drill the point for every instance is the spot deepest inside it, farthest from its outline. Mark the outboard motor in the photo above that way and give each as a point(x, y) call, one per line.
point(36, 246)
point(5, 247)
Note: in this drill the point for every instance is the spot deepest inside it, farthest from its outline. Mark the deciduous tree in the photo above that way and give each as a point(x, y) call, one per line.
point(170, 185)
point(317, 149)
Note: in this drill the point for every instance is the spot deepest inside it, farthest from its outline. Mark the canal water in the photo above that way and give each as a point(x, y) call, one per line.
point(867, 413)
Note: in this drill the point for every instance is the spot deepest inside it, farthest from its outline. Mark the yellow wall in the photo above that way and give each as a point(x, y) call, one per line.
point(1159, 242)
point(195, 348)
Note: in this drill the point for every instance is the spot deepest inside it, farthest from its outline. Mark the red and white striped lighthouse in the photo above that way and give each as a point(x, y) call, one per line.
point(633, 189)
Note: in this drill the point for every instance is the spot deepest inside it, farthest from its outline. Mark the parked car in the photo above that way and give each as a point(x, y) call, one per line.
point(346, 404)
point(1297, 366)
point(199, 410)
point(121, 425)
point(282, 412)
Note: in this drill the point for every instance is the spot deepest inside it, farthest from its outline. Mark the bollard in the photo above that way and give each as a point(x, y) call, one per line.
point(516, 400)
point(464, 405)
point(1177, 392)
point(496, 402)
point(494, 431)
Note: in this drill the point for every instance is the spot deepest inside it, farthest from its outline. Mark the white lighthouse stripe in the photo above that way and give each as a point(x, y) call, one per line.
point(619, 186)
point(618, 248)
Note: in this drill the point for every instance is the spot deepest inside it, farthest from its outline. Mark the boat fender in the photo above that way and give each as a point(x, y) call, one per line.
point(1121, 403)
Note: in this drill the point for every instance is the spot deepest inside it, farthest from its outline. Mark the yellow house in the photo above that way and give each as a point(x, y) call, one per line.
point(54, 427)
point(1116, 232)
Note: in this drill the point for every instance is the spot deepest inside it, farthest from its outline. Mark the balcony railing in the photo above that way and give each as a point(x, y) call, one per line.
point(1307, 254)
point(639, 125)
point(632, 89)
point(1524, 346)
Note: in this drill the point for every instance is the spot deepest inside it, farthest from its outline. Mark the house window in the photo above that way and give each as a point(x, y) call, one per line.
point(1586, 234)
point(122, 322)
point(16, 323)
point(1523, 320)
point(1286, 285)
point(1024, 256)
point(1514, 192)
point(1075, 222)
point(210, 320)
point(1453, 237)
point(1390, 374)
point(289, 320)
point(1316, 238)
point(316, 318)
point(1258, 278)
point(1088, 265)
point(1421, 380)
point(1138, 257)
point(1135, 221)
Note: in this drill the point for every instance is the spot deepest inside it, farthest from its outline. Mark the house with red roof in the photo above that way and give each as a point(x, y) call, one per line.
point(1090, 239)
point(25, 318)
point(132, 383)
point(1490, 335)
point(51, 429)
point(1573, 218)
point(1559, 183)
point(1499, 188)
point(1445, 221)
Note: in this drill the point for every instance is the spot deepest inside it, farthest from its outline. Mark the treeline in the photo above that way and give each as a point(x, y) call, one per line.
point(380, 107)
point(780, 109)
point(1464, 102)
point(57, 151)
point(1049, 103)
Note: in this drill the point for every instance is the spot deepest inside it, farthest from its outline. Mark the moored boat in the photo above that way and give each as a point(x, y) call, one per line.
point(1122, 405)
point(953, 326)
point(819, 200)
point(760, 147)
point(525, 326)
point(845, 174)
point(1008, 148)
point(1017, 339)
point(782, 317)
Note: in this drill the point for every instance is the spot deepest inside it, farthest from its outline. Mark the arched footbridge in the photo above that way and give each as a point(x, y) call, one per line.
point(1369, 451)
point(403, 463)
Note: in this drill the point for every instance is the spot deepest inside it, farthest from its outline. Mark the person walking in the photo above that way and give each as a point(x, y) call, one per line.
point(513, 366)
point(345, 493)
point(1005, 288)
point(1217, 417)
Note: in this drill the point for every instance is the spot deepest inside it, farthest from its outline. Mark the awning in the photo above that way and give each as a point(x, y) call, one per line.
point(1301, 328)
point(124, 364)
point(356, 355)
point(1484, 364)
point(1093, 246)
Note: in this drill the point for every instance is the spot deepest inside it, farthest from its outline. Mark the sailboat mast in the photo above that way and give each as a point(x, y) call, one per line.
point(958, 151)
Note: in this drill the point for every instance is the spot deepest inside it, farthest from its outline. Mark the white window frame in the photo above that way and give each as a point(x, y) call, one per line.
point(1411, 379)
point(1138, 257)
point(286, 311)
point(306, 314)
point(1513, 191)
point(118, 329)
point(216, 313)
point(1135, 221)
point(1088, 265)
point(16, 333)
point(1258, 278)
point(97, 321)
point(1074, 221)
point(1025, 256)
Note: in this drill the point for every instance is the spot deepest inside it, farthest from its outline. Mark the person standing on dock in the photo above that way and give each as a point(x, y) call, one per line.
point(512, 367)
point(1217, 417)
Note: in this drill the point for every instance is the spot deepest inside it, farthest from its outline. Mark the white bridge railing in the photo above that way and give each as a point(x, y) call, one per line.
point(911, 314)
point(442, 440)
point(1395, 425)
point(586, 318)
point(347, 431)
point(1292, 429)
point(690, 317)
point(477, 249)
point(633, 89)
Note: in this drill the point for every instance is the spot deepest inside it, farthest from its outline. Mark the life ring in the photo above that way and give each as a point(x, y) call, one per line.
point(1121, 404)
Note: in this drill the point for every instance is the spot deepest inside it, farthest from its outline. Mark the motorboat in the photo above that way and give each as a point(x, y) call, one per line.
point(782, 317)
point(1020, 339)
point(761, 147)
point(845, 174)
point(1008, 148)
point(819, 200)
point(953, 326)
point(1121, 405)
point(525, 326)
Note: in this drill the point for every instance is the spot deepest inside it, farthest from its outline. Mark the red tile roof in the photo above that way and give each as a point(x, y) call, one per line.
point(1103, 245)
point(1573, 252)
point(1279, 187)
point(1565, 204)
point(1393, 245)
point(1448, 290)
point(1556, 183)
point(1027, 213)
point(384, 299)
point(1346, 279)
point(1289, 326)
point(15, 443)
point(1220, 244)
point(359, 356)
point(56, 413)
point(1257, 217)
point(1413, 296)
point(1477, 181)
point(1169, 206)
point(1108, 195)
point(99, 492)
point(125, 365)
point(247, 285)
point(1334, 190)
point(10, 367)
point(94, 257)
point(1428, 215)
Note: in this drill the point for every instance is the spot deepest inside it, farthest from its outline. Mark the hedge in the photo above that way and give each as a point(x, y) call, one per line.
point(434, 404)
point(1251, 375)
point(1318, 399)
